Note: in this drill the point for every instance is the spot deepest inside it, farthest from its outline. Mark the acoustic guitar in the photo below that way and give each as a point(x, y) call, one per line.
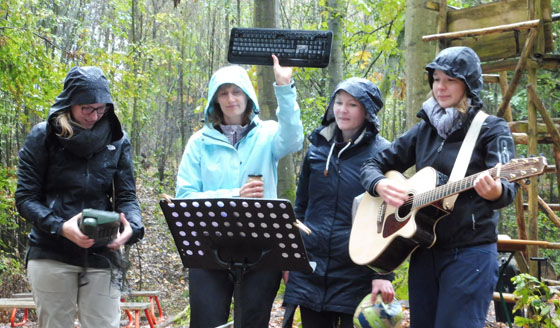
point(383, 236)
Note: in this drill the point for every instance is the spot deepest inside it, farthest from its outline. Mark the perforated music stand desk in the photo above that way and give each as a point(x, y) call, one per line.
point(238, 234)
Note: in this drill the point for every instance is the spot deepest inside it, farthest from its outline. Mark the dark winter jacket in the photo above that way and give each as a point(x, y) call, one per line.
point(324, 203)
point(59, 177)
point(474, 219)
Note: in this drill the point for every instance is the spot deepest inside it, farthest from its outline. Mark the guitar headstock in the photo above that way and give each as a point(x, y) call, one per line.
point(521, 168)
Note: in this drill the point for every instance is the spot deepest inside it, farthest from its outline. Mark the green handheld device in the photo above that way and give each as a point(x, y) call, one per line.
point(103, 226)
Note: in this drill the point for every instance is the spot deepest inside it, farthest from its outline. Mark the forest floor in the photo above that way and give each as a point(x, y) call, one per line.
point(156, 265)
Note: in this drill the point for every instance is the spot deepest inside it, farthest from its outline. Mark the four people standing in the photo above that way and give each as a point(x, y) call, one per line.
point(80, 158)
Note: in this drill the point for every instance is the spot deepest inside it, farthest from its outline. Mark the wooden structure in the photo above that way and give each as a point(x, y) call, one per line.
point(512, 35)
point(25, 302)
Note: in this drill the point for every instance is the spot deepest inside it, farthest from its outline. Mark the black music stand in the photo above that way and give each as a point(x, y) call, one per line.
point(238, 234)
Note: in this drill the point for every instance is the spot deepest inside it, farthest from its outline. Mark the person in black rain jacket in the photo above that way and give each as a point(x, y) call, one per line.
point(451, 283)
point(328, 183)
point(79, 158)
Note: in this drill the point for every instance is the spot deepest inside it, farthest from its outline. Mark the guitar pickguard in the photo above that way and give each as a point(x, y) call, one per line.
point(392, 225)
point(395, 221)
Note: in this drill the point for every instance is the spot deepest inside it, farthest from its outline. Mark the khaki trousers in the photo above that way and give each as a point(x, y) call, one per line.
point(59, 291)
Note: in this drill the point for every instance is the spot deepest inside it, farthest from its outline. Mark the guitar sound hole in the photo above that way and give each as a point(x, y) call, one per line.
point(404, 210)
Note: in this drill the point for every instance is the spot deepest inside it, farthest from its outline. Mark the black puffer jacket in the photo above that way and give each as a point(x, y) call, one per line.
point(58, 178)
point(324, 203)
point(473, 220)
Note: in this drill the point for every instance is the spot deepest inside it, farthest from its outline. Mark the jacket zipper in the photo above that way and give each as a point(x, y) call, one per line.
point(441, 146)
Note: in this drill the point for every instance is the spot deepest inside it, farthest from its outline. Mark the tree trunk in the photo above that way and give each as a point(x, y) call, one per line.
point(337, 11)
point(135, 129)
point(265, 16)
point(419, 21)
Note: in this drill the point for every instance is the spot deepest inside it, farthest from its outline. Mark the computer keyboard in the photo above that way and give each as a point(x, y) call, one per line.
point(303, 48)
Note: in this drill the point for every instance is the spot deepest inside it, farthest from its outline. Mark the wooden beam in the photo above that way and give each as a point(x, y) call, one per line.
point(553, 207)
point(550, 62)
point(533, 188)
point(550, 169)
point(520, 216)
point(483, 31)
point(508, 116)
point(544, 114)
point(557, 162)
point(442, 24)
point(522, 126)
point(518, 72)
point(508, 297)
point(519, 244)
point(431, 5)
point(520, 138)
point(491, 78)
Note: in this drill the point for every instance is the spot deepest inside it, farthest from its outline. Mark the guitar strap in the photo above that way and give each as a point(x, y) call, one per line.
point(464, 156)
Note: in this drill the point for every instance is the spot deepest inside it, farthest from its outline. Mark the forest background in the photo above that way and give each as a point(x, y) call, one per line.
point(159, 55)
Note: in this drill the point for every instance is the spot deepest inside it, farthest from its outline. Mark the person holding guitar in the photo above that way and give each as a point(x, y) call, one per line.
point(328, 183)
point(451, 283)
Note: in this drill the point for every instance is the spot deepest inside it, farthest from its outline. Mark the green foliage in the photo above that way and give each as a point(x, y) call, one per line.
point(400, 284)
point(12, 275)
point(541, 301)
point(8, 214)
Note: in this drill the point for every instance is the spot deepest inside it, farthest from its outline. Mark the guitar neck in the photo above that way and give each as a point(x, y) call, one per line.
point(515, 169)
point(449, 189)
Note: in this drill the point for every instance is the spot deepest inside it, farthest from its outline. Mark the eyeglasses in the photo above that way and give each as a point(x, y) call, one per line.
point(87, 110)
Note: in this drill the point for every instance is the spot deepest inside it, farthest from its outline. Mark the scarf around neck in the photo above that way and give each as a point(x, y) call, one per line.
point(445, 120)
point(85, 143)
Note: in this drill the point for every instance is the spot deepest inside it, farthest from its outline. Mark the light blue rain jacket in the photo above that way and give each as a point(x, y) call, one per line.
point(212, 168)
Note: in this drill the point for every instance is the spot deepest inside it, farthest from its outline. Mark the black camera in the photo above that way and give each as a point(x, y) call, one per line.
point(102, 226)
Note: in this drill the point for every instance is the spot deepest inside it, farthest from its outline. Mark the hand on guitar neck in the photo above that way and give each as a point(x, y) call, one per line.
point(488, 187)
point(396, 194)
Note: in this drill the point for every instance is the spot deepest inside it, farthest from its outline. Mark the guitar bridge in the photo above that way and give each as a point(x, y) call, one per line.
point(380, 216)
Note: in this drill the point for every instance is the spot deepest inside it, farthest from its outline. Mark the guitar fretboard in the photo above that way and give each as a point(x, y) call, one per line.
point(446, 190)
point(516, 169)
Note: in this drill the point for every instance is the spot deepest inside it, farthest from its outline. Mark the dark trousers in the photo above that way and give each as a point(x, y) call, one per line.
point(326, 319)
point(452, 288)
point(211, 291)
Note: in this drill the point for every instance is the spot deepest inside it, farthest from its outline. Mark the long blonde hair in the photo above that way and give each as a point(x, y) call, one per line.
point(64, 120)
point(463, 104)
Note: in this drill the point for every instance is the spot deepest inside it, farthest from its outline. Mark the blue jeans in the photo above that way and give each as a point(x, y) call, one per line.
point(452, 288)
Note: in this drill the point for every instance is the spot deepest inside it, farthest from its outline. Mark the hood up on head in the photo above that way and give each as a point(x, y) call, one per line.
point(236, 75)
point(86, 85)
point(461, 63)
point(366, 92)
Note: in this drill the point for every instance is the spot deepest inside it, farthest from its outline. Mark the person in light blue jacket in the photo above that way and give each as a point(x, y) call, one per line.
point(233, 144)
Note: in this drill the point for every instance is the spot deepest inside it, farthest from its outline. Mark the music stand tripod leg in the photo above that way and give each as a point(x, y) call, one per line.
point(237, 270)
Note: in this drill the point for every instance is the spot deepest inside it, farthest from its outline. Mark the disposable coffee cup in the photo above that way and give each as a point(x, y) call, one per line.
point(255, 177)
